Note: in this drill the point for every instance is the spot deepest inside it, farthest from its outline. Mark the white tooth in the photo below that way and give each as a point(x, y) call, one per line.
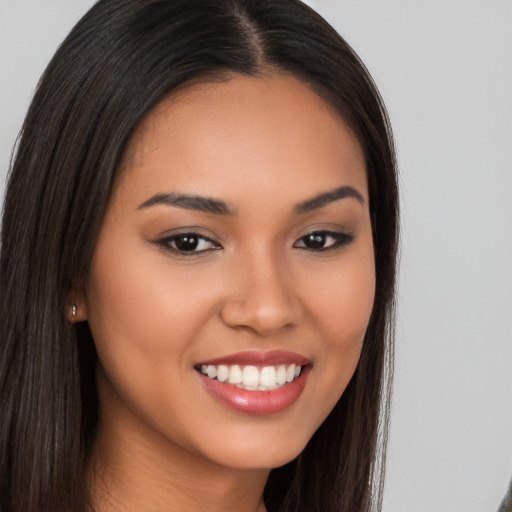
point(290, 373)
point(212, 371)
point(251, 376)
point(268, 376)
point(235, 375)
point(204, 369)
point(281, 375)
point(297, 371)
point(222, 373)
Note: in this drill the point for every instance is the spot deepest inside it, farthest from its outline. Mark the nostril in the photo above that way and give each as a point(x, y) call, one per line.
point(262, 320)
point(263, 298)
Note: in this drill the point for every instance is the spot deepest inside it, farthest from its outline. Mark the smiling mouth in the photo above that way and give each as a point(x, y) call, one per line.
point(254, 382)
point(250, 377)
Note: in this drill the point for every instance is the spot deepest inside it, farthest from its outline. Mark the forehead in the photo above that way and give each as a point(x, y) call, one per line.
point(237, 131)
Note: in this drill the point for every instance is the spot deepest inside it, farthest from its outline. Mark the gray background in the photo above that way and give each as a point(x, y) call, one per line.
point(445, 71)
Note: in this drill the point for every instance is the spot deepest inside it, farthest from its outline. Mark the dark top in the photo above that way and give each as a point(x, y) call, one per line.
point(506, 504)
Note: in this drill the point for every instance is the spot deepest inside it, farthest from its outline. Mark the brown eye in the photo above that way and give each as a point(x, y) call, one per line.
point(315, 240)
point(323, 240)
point(186, 242)
point(191, 243)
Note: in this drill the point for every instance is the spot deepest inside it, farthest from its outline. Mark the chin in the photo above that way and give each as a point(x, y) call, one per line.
point(264, 450)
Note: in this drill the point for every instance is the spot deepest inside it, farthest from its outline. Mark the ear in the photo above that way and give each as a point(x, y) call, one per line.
point(77, 309)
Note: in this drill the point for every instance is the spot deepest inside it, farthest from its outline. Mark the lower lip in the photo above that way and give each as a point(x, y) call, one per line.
point(257, 403)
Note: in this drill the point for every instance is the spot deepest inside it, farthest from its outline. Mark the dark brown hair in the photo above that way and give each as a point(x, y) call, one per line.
point(119, 61)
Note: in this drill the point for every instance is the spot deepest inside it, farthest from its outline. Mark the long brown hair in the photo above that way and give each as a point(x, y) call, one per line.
point(119, 61)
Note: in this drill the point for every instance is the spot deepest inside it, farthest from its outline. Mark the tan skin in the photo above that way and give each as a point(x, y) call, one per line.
point(253, 281)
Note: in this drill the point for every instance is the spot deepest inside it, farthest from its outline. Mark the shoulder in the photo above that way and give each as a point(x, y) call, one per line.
point(506, 504)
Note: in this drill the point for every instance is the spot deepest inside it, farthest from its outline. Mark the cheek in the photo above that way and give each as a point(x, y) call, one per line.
point(143, 312)
point(342, 311)
point(355, 299)
point(118, 301)
point(140, 324)
point(345, 297)
point(133, 297)
point(124, 303)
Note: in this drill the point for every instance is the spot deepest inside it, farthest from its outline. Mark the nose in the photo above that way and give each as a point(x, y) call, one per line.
point(265, 299)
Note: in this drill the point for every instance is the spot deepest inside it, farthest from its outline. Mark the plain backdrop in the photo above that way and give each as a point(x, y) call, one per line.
point(444, 68)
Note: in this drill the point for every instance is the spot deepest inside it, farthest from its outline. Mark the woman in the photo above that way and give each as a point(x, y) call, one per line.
point(198, 264)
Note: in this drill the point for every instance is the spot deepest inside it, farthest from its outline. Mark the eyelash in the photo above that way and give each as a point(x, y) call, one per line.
point(340, 240)
point(165, 243)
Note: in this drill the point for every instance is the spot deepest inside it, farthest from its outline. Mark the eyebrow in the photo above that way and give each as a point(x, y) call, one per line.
point(328, 197)
point(190, 202)
point(218, 207)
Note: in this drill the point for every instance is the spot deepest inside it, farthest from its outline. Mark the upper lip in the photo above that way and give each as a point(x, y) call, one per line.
point(258, 358)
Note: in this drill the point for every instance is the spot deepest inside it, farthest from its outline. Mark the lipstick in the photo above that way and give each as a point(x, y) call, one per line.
point(256, 383)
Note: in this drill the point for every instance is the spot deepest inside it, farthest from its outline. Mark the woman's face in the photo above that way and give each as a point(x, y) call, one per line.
point(236, 251)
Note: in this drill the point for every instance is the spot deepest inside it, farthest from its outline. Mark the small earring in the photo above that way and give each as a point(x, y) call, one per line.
point(73, 310)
